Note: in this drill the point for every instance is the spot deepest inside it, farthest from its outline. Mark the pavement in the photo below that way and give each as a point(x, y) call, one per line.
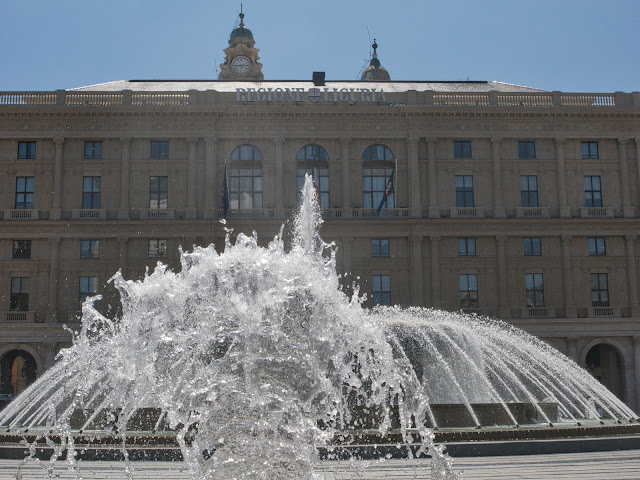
point(575, 466)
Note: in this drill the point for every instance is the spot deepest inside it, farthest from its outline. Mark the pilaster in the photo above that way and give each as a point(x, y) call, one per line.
point(347, 243)
point(572, 350)
point(567, 278)
point(415, 209)
point(503, 293)
point(210, 190)
point(436, 301)
point(192, 176)
point(627, 208)
point(434, 209)
point(123, 244)
point(498, 207)
point(417, 280)
point(54, 268)
point(56, 201)
point(632, 278)
point(125, 173)
point(346, 177)
point(636, 369)
point(565, 210)
point(279, 183)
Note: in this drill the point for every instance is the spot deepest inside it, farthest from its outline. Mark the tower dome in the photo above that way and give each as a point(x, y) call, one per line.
point(241, 31)
point(375, 72)
point(241, 57)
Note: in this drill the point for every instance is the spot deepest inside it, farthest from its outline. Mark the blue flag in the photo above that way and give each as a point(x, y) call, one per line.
point(387, 190)
point(225, 194)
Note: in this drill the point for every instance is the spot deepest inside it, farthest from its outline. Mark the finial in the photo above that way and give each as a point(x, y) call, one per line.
point(241, 16)
point(375, 47)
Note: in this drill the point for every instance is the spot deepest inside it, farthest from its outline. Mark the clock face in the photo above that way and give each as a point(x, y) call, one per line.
point(241, 65)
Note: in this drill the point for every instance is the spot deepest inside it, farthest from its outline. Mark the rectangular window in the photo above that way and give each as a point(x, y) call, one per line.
point(466, 247)
point(19, 301)
point(592, 191)
point(89, 248)
point(91, 191)
point(24, 193)
point(157, 248)
point(532, 246)
point(590, 150)
point(160, 149)
point(93, 150)
point(597, 246)
point(88, 287)
point(599, 290)
point(462, 149)
point(464, 191)
point(528, 191)
point(22, 249)
point(158, 193)
point(26, 150)
point(468, 290)
point(381, 289)
point(534, 285)
point(380, 247)
point(527, 149)
point(374, 183)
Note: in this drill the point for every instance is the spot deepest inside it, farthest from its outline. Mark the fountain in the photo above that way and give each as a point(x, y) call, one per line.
point(254, 359)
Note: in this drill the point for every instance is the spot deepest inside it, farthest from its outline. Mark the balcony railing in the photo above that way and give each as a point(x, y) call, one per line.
point(537, 312)
point(88, 214)
point(467, 212)
point(249, 214)
point(532, 212)
point(384, 213)
point(20, 317)
point(21, 214)
point(474, 311)
point(156, 214)
point(604, 312)
point(596, 212)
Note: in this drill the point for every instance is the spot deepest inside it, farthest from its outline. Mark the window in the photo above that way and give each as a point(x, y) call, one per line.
point(91, 187)
point(596, 246)
point(93, 150)
point(590, 150)
point(599, 290)
point(19, 301)
point(528, 191)
point(466, 247)
point(532, 246)
point(24, 193)
point(88, 287)
point(245, 192)
point(464, 191)
point(26, 150)
point(89, 248)
point(592, 191)
point(468, 290)
point(527, 149)
point(313, 160)
point(160, 149)
point(462, 149)
point(534, 286)
point(381, 289)
point(377, 170)
point(158, 193)
point(157, 248)
point(22, 249)
point(380, 247)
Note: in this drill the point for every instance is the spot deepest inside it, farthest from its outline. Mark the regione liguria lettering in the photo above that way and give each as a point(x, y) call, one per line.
point(314, 95)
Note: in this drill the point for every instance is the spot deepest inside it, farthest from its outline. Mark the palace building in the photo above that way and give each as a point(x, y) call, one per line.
point(508, 201)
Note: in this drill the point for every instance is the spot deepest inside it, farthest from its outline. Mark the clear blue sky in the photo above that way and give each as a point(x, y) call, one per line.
point(568, 45)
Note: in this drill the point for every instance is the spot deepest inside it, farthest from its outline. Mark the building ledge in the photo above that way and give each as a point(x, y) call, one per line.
point(21, 214)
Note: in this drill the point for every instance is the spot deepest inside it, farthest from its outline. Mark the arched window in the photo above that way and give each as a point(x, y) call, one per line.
point(18, 370)
point(310, 158)
point(245, 178)
point(377, 168)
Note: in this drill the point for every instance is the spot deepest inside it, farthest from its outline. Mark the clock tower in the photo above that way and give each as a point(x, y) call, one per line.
point(241, 61)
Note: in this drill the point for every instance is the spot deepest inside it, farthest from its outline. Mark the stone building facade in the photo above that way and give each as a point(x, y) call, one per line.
point(509, 201)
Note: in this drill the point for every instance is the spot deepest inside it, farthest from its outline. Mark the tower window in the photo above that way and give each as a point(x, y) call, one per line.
point(26, 150)
point(462, 149)
point(160, 149)
point(93, 150)
point(526, 149)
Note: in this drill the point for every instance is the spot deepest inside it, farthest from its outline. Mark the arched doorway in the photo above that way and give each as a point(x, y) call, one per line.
point(604, 363)
point(18, 371)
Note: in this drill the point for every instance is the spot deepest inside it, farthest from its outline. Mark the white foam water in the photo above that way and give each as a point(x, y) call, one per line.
point(256, 358)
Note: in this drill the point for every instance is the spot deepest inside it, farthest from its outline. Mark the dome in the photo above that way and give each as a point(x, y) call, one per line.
point(375, 72)
point(241, 32)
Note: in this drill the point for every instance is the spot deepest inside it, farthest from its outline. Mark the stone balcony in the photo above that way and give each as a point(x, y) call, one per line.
point(21, 214)
point(532, 212)
point(466, 212)
point(88, 214)
point(596, 212)
point(157, 214)
point(19, 317)
point(537, 312)
point(611, 312)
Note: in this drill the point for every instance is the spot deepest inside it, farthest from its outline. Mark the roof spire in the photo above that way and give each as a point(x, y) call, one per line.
point(375, 72)
point(242, 16)
point(375, 47)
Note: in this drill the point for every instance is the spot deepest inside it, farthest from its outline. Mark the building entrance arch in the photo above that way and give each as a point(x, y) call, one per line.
point(605, 363)
point(17, 372)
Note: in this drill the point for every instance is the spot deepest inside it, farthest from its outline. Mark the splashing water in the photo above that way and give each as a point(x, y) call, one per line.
point(256, 358)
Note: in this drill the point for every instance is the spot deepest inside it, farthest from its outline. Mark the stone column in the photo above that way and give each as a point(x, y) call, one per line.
point(503, 293)
point(638, 160)
point(123, 243)
point(627, 208)
point(565, 210)
point(415, 209)
point(346, 177)
point(432, 180)
point(54, 269)
point(347, 243)
point(192, 176)
point(435, 271)
point(125, 173)
point(279, 181)
point(417, 279)
point(572, 351)
point(210, 188)
point(567, 278)
point(56, 201)
point(632, 278)
point(636, 369)
point(498, 207)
